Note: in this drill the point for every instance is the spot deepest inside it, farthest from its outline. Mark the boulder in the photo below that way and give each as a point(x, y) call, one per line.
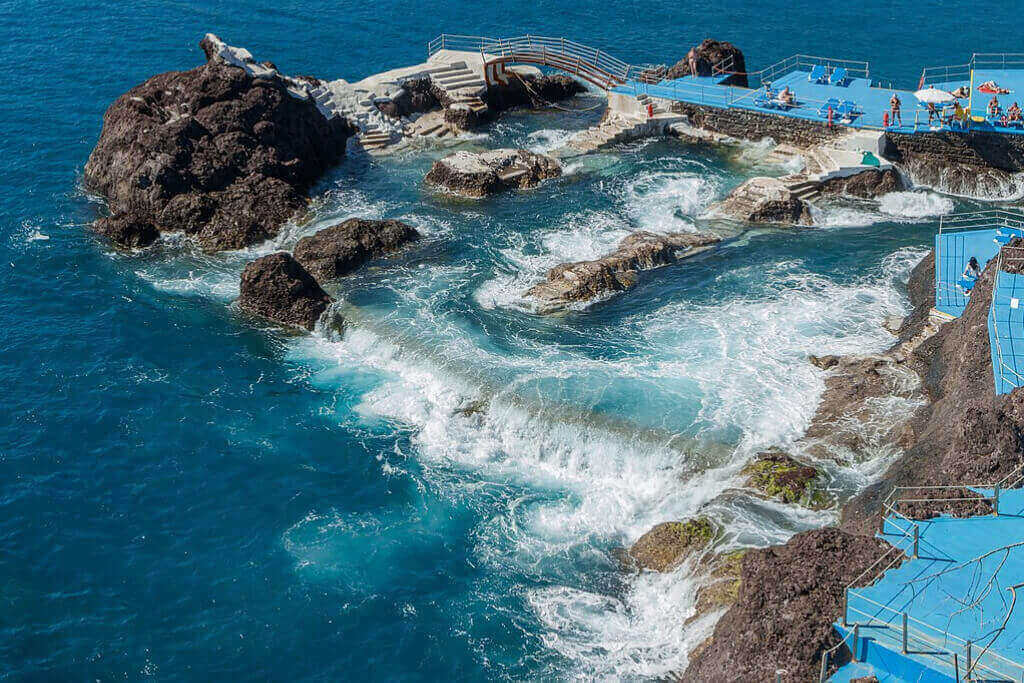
point(338, 250)
point(127, 231)
point(788, 596)
point(417, 96)
point(702, 58)
point(866, 184)
point(666, 545)
point(461, 117)
point(583, 281)
point(763, 200)
point(779, 475)
point(278, 288)
point(478, 174)
point(723, 583)
point(225, 152)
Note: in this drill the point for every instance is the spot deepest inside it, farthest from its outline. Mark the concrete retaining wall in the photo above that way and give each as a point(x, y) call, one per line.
point(981, 150)
point(750, 125)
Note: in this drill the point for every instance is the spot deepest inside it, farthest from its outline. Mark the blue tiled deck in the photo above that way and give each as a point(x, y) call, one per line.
point(872, 102)
point(1006, 332)
point(948, 597)
point(953, 250)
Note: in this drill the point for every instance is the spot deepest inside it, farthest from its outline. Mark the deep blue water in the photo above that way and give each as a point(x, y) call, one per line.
point(185, 493)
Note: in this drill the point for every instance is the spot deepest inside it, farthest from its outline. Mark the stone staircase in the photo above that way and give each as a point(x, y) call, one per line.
point(839, 157)
point(462, 85)
point(614, 130)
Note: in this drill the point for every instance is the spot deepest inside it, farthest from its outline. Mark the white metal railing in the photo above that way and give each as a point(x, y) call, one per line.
point(962, 72)
point(987, 219)
point(854, 68)
point(559, 52)
point(1007, 373)
point(911, 534)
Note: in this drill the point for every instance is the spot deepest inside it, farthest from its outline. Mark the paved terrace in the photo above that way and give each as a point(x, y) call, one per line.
point(957, 587)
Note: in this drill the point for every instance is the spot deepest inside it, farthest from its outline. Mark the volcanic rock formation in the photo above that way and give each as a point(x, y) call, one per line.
point(866, 184)
point(278, 288)
point(667, 544)
point(763, 200)
point(586, 280)
point(706, 56)
point(340, 249)
point(484, 173)
point(218, 153)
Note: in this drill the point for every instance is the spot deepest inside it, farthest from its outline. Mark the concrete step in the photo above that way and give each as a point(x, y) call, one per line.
point(430, 130)
point(454, 76)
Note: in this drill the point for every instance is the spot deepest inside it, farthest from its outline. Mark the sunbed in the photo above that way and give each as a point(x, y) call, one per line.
point(830, 102)
point(838, 76)
point(818, 74)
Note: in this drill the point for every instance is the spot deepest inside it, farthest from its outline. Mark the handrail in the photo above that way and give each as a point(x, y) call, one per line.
point(1002, 366)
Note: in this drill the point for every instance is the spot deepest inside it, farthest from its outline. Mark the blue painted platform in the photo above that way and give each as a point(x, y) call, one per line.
point(872, 102)
point(951, 595)
point(1006, 332)
point(953, 250)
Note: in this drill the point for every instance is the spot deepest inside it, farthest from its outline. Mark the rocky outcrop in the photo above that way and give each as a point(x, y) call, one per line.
point(583, 281)
point(670, 543)
point(215, 152)
point(866, 184)
point(528, 90)
point(127, 230)
point(968, 180)
point(779, 475)
point(763, 200)
point(417, 96)
point(788, 597)
point(975, 163)
point(278, 288)
point(966, 434)
point(702, 58)
point(340, 249)
point(480, 174)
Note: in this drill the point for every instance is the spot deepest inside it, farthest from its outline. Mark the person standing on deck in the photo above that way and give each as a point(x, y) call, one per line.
point(894, 107)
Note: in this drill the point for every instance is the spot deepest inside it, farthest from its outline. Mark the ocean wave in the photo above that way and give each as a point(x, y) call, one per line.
point(898, 207)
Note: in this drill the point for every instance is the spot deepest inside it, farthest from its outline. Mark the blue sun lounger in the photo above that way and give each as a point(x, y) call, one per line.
point(847, 110)
point(830, 102)
point(1004, 235)
point(819, 74)
point(838, 76)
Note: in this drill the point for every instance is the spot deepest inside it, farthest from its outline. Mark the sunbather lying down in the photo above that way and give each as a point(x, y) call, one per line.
point(961, 93)
point(990, 88)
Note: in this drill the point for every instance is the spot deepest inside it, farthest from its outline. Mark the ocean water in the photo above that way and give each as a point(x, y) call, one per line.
point(443, 492)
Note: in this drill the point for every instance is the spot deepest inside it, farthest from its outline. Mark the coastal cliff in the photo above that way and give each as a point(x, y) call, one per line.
point(217, 153)
point(789, 595)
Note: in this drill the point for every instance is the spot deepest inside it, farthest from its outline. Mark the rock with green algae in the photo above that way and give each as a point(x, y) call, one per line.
point(779, 475)
point(723, 583)
point(669, 543)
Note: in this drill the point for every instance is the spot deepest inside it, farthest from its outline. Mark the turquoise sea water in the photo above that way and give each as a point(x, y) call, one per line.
point(186, 493)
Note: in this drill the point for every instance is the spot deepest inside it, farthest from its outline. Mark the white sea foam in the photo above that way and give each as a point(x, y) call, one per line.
point(667, 201)
point(898, 207)
point(547, 139)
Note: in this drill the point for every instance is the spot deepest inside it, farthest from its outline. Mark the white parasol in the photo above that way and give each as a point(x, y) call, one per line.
point(932, 95)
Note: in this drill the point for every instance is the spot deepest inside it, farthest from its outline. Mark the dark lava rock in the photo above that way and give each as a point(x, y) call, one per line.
point(338, 250)
point(764, 200)
point(480, 174)
point(531, 91)
point(585, 280)
point(780, 475)
point(213, 152)
point(461, 116)
point(866, 184)
point(967, 434)
point(126, 231)
point(707, 55)
point(782, 619)
point(669, 543)
point(277, 287)
point(418, 95)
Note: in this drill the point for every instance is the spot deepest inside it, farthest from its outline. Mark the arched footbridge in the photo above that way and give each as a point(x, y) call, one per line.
point(587, 63)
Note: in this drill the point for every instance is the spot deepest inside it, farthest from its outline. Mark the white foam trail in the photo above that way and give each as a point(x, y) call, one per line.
point(667, 201)
point(895, 207)
point(547, 139)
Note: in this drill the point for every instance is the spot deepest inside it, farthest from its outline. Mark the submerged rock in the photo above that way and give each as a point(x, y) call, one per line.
point(780, 475)
point(866, 184)
point(338, 250)
point(529, 90)
point(723, 584)
point(585, 280)
point(763, 200)
point(278, 288)
point(669, 543)
point(700, 60)
point(215, 152)
point(478, 174)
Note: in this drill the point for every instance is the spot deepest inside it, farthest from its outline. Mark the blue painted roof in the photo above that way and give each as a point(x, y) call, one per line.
point(950, 597)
